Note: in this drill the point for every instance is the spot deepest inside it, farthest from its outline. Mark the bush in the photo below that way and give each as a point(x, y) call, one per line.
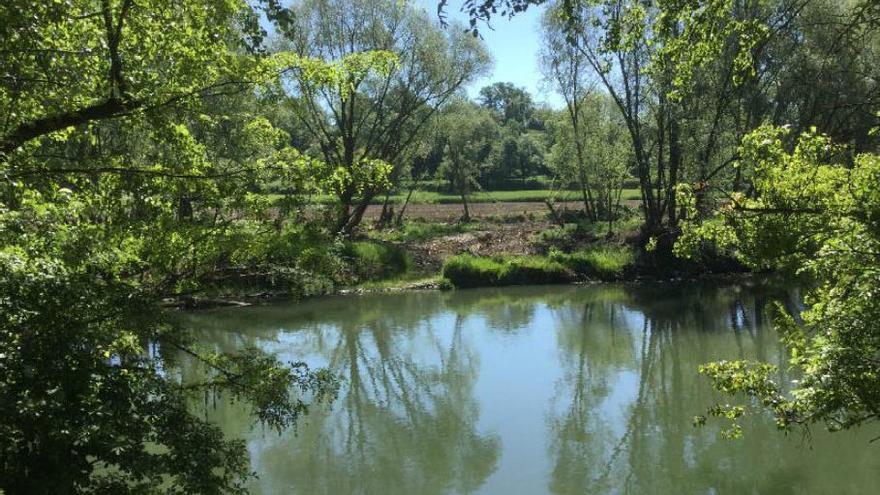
point(559, 238)
point(534, 270)
point(465, 271)
point(374, 261)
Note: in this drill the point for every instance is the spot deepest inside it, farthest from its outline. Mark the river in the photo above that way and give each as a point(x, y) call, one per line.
point(528, 390)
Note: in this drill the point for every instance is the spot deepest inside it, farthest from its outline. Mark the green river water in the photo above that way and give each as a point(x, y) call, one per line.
point(528, 390)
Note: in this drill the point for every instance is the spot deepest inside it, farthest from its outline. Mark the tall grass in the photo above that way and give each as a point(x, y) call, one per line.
point(605, 263)
point(465, 271)
point(376, 261)
point(422, 231)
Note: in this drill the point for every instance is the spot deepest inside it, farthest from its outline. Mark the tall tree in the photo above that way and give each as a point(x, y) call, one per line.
point(604, 166)
point(470, 134)
point(108, 108)
point(567, 70)
point(375, 116)
point(510, 103)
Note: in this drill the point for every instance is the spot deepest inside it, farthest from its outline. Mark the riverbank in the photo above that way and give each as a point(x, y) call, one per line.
point(489, 251)
point(530, 249)
point(515, 249)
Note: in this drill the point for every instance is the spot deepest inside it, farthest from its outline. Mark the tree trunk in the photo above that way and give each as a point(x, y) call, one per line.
point(184, 209)
point(387, 214)
point(343, 211)
point(610, 213)
point(587, 211)
point(589, 206)
point(662, 135)
point(674, 167)
point(554, 214)
point(649, 207)
point(467, 214)
point(399, 220)
point(356, 216)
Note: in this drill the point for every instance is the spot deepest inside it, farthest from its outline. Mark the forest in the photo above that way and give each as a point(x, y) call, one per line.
point(163, 157)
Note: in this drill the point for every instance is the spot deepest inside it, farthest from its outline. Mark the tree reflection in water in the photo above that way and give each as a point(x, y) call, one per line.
point(621, 421)
point(404, 421)
point(427, 376)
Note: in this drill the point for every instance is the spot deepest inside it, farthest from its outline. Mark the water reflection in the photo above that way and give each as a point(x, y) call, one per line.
point(406, 411)
point(528, 390)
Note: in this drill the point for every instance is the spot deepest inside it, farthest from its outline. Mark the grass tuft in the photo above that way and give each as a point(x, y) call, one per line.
point(604, 263)
point(465, 271)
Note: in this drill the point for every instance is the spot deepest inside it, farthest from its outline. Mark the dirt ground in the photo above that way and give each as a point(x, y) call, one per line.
point(452, 212)
point(501, 228)
point(490, 239)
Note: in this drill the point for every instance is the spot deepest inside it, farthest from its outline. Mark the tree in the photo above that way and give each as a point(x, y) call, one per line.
point(624, 44)
point(109, 61)
point(510, 103)
point(530, 155)
point(606, 155)
point(117, 193)
point(375, 115)
point(610, 154)
point(567, 70)
point(516, 155)
point(643, 54)
point(470, 134)
point(817, 218)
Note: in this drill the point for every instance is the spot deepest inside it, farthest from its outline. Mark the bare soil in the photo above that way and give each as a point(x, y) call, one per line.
point(490, 239)
point(502, 228)
point(452, 212)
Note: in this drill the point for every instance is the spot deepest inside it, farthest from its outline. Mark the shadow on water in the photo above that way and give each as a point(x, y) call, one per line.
point(527, 390)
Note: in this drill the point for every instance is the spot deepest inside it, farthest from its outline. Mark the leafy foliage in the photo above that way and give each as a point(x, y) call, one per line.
point(130, 154)
point(87, 403)
point(816, 217)
point(470, 135)
point(374, 261)
point(603, 263)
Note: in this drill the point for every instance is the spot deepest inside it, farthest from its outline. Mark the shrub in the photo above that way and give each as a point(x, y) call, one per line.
point(562, 238)
point(534, 270)
point(374, 261)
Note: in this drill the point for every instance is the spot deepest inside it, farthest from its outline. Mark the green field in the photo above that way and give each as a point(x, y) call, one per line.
point(430, 197)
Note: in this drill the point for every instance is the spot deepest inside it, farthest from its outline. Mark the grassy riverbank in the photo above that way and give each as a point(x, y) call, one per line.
point(605, 263)
point(515, 250)
point(489, 251)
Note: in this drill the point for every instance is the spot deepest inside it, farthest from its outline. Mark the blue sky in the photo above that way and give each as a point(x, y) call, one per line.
point(514, 44)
